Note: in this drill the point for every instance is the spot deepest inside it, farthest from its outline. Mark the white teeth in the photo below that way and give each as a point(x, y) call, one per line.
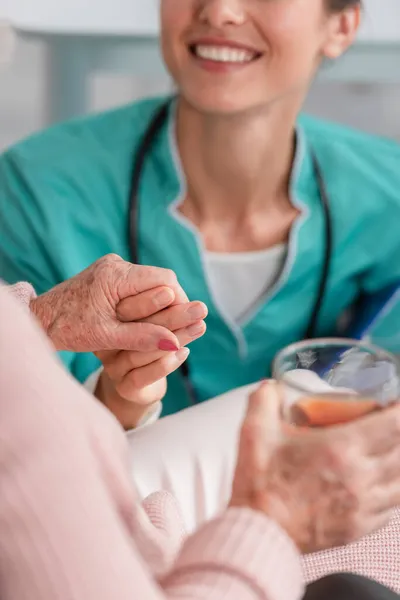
point(224, 54)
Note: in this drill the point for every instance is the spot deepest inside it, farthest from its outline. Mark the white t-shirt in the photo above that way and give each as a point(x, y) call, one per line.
point(239, 281)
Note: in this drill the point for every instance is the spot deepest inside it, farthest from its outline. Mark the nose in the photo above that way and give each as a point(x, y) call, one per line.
point(220, 13)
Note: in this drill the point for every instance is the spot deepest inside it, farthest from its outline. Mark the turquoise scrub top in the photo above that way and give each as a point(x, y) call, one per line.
point(64, 203)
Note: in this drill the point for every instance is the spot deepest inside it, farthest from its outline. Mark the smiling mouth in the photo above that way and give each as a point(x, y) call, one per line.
point(224, 54)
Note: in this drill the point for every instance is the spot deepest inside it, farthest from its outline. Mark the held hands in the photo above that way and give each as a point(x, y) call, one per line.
point(325, 487)
point(80, 314)
point(133, 382)
point(137, 320)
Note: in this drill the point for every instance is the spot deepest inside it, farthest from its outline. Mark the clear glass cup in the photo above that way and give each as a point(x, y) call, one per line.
point(329, 381)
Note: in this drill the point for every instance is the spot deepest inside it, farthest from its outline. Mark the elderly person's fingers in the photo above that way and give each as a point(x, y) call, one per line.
point(383, 499)
point(173, 317)
point(80, 314)
point(135, 279)
point(117, 365)
point(378, 432)
point(386, 467)
point(383, 481)
point(326, 487)
point(145, 304)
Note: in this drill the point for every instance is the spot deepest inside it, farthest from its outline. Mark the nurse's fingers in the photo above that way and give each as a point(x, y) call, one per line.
point(118, 365)
point(145, 376)
point(178, 317)
point(141, 337)
point(145, 304)
point(139, 278)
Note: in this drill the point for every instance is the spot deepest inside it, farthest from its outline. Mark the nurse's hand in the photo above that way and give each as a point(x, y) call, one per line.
point(81, 314)
point(133, 383)
point(325, 487)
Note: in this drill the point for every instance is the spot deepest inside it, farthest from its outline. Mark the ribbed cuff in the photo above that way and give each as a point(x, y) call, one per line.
point(150, 417)
point(23, 292)
point(250, 546)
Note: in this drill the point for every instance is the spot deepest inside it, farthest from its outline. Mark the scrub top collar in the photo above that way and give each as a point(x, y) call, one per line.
point(302, 179)
point(304, 194)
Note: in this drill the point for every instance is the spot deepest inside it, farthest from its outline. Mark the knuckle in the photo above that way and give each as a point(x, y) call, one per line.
point(134, 379)
point(142, 337)
point(128, 384)
point(108, 261)
point(111, 258)
point(170, 277)
point(141, 342)
point(108, 267)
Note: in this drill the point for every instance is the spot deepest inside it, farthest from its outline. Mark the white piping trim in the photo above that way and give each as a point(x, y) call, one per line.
point(175, 214)
point(292, 245)
point(237, 328)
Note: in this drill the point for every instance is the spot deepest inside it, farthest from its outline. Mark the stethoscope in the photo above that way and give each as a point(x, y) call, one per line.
point(155, 127)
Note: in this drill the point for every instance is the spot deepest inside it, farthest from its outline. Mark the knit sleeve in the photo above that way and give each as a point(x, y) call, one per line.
point(23, 292)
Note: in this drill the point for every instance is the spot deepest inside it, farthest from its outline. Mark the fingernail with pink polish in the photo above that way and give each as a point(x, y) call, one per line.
point(167, 346)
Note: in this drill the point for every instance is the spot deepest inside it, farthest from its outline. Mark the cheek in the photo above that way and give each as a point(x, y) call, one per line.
point(293, 28)
point(168, 12)
point(175, 18)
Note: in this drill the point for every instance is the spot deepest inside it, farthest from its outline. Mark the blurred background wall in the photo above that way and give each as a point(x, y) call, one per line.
point(372, 107)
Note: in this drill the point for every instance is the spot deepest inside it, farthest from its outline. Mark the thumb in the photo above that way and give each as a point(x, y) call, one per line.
point(264, 407)
point(142, 337)
point(259, 436)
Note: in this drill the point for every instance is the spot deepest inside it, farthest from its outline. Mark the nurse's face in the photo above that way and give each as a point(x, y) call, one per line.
point(230, 56)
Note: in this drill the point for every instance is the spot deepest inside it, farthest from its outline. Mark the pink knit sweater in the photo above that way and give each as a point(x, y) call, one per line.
point(71, 527)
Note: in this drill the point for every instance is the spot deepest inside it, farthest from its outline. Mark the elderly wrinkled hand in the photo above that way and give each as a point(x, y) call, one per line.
point(325, 487)
point(82, 313)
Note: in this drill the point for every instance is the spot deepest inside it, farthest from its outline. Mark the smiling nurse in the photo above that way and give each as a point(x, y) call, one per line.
point(232, 193)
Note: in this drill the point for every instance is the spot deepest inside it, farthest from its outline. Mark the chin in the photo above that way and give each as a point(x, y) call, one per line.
point(218, 103)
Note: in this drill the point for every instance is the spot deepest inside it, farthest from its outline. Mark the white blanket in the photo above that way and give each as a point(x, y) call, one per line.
point(191, 454)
